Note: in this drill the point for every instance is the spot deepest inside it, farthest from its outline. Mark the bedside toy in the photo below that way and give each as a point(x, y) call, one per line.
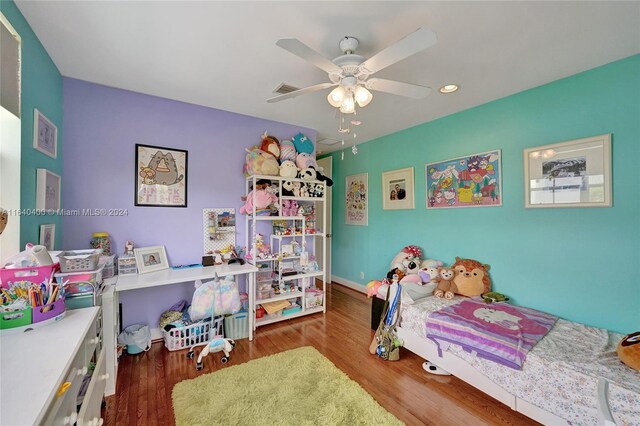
point(396, 271)
point(288, 169)
point(302, 144)
point(494, 296)
point(408, 258)
point(270, 145)
point(128, 248)
point(262, 199)
point(372, 288)
point(259, 162)
point(287, 151)
point(217, 344)
point(446, 287)
point(472, 277)
point(411, 278)
point(305, 160)
point(429, 270)
point(629, 350)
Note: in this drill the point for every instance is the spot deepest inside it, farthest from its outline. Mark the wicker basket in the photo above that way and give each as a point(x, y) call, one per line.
point(78, 261)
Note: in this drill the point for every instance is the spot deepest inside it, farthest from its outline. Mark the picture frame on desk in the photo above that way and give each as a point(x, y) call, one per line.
point(151, 259)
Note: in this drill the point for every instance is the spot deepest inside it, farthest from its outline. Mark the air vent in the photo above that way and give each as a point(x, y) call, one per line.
point(328, 142)
point(285, 88)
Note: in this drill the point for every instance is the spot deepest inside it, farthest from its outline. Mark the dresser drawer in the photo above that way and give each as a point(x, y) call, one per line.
point(89, 414)
point(63, 411)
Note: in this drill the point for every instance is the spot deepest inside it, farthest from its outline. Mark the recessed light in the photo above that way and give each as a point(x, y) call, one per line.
point(449, 88)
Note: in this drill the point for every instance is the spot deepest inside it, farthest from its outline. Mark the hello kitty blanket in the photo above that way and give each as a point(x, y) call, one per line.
point(499, 332)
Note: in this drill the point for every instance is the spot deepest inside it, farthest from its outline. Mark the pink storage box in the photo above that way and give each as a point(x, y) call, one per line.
point(36, 274)
point(43, 313)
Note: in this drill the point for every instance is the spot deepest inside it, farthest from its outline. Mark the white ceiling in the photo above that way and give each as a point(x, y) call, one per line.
point(223, 54)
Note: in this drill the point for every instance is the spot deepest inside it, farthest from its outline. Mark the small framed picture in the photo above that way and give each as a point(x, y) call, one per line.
point(151, 259)
point(45, 135)
point(397, 189)
point(576, 173)
point(47, 190)
point(48, 236)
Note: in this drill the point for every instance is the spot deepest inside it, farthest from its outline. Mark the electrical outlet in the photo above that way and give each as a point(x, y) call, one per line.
point(362, 275)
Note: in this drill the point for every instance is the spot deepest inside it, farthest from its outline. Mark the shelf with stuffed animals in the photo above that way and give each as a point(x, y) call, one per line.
point(285, 196)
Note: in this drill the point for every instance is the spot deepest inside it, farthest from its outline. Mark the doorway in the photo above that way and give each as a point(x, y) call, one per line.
point(325, 165)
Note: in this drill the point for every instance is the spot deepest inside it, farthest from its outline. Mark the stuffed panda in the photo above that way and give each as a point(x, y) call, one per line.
point(318, 190)
point(308, 173)
point(287, 188)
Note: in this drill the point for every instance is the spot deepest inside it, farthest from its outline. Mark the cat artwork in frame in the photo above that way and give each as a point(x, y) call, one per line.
point(473, 180)
point(161, 176)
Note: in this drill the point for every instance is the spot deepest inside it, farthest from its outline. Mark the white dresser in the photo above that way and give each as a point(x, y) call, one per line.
point(42, 371)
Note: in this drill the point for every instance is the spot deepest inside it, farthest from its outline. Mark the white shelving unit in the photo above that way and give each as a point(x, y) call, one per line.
point(274, 262)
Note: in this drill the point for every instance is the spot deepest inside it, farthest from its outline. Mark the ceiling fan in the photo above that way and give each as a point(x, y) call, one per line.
point(350, 73)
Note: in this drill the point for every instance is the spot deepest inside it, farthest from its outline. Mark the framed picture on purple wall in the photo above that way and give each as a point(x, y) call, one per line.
point(161, 176)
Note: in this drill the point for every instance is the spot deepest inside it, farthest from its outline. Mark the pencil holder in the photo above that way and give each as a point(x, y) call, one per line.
point(52, 310)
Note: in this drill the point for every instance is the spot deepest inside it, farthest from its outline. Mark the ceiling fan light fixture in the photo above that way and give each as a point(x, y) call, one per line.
point(363, 96)
point(336, 96)
point(348, 105)
point(449, 88)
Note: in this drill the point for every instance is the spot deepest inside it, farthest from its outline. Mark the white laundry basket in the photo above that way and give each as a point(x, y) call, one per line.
point(193, 334)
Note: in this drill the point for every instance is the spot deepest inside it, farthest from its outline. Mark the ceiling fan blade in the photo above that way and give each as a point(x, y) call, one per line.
point(299, 92)
point(409, 45)
point(303, 51)
point(398, 88)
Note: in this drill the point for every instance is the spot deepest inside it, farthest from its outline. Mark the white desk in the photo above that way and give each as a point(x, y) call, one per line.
point(156, 279)
point(34, 364)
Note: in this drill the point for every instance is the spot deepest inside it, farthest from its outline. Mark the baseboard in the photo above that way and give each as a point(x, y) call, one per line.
point(350, 284)
point(156, 334)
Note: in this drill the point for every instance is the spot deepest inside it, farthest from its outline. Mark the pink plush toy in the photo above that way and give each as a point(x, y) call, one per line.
point(263, 199)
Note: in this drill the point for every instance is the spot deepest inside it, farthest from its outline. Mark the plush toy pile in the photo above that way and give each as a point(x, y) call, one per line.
point(292, 159)
point(466, 277)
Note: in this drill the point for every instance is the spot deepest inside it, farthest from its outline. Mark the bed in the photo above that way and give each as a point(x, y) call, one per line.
point(572, 376)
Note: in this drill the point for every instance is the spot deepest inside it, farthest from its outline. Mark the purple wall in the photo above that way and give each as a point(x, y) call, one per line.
point(102, 125)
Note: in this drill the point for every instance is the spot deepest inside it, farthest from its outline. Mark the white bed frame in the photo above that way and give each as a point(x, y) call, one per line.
point(428, 350)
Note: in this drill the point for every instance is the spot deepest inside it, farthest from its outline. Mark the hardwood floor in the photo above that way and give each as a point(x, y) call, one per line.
point(143, 394)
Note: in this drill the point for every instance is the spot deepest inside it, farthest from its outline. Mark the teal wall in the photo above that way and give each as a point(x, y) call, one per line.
point(41, 89)
point(579, 263)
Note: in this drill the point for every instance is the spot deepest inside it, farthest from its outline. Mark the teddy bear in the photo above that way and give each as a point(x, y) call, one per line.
point(302, 144)
point(262, 199)
point(628, 350)
point(429, 270)
point(259, 162)
point(472, 277)
point(288, 169)
point(287, 151)
point(270, 145)
point(446, 287)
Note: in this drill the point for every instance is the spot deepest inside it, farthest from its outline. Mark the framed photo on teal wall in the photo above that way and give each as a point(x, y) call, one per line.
point(576, 173)
point(398, 189)
point(470, 181)
point(45, 135)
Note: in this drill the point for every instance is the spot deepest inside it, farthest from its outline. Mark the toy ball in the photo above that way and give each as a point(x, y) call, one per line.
point(287, 151)
point(304, 161)
point(303, 144)
point(629, 350)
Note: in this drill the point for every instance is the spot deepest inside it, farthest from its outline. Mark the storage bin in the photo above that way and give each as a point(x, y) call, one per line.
point(313, 298)
point(264, 275)
point(52, 310)
point(264, 294)
point(193, 334)
point(236, 326)
point(15, 319)
point(80, 260)
point(36, 274)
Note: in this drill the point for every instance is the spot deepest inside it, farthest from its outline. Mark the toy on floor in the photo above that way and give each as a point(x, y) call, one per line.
point(430, 367)
point(629, 350)
point(217, 344)
point(494, 296)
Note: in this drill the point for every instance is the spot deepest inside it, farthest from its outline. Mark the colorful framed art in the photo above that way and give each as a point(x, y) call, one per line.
point(357, 199)
point(161, 176)
point(470, 181)
point(576, 173)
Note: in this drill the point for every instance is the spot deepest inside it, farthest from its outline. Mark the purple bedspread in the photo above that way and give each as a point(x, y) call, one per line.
point(499, 332)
